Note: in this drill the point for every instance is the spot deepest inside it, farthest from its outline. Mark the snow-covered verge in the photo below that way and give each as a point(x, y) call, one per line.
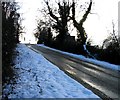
point(83, 58)
point(38, 78)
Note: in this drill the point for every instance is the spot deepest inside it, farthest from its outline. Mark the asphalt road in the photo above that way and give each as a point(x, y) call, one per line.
point(102, 81)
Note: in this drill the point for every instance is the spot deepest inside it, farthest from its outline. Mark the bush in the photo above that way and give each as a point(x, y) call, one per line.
point(9, 39)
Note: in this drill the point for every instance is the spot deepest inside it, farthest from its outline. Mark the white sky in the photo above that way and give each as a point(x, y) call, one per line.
point(96, 25)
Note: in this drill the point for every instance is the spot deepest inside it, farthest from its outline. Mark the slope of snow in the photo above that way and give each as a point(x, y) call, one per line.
point(38, 78)
point(83, 58)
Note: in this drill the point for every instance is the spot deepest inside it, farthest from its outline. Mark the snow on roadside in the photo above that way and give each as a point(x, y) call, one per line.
point(38, 78)
point(83, 58)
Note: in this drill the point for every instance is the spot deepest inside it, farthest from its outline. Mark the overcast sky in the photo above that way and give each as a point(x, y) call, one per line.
point(96, 26)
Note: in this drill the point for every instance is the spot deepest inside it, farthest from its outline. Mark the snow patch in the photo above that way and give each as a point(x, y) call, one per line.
point(38, 78)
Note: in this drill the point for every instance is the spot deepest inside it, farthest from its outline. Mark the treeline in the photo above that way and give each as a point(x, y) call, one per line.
point(68, 45)
point(10, 37)
point(57, 20)
point(110, 49)
point(109, 52)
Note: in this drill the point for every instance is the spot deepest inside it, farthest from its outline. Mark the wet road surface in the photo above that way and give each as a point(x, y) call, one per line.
point(102, 81)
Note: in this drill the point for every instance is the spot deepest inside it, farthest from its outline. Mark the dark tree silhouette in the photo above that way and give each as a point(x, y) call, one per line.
point(79, 25)
point(61, 20)
point(45, 36)
point(82, 36)
point(43, 32)
point(10, 37)
point(40, 25)
point(111, 48)
point(49, 36)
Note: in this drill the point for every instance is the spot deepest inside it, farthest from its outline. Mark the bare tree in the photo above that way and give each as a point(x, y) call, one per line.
point(61, 19)
point(112, 39)
point(82, 36)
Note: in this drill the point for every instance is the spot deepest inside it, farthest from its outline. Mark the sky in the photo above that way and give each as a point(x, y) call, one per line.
point(97, 26)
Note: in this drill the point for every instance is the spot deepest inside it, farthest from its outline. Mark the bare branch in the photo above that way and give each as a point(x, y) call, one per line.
point(50, 11)
point(86, 13)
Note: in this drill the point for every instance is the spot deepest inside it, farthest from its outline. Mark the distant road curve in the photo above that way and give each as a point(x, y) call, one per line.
point(103, 82)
